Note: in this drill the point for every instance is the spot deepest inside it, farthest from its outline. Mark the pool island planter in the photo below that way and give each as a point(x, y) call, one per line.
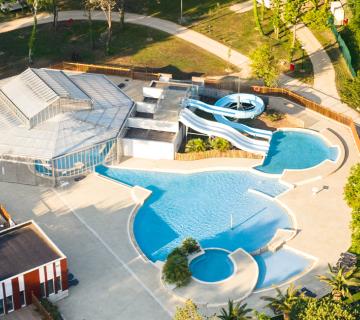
point(239, 285)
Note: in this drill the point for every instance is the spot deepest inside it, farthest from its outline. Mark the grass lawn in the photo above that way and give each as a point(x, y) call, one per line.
point(136, 45)
point(238, 31)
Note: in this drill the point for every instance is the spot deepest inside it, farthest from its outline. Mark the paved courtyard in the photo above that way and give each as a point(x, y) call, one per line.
point(89, 222)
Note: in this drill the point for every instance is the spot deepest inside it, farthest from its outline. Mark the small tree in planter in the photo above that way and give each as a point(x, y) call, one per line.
point(196, 145)
point(176, 268)
point(190, 245)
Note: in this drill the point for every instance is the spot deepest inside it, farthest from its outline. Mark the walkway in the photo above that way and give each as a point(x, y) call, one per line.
point(324, 90)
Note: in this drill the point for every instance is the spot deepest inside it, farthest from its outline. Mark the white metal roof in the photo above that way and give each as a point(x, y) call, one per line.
point(69, 131)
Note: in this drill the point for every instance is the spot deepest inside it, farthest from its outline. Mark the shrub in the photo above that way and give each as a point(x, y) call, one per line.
point(176, 269)
point(352, 197)
point(188, 312)
point(350, 92)
point(273, 115)
point(196, 145)
point(190, 245)
point(51, 308)
point(324, 309)
point(220, 144)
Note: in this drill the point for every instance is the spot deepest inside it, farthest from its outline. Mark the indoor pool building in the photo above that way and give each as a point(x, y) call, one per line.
point(55, 125)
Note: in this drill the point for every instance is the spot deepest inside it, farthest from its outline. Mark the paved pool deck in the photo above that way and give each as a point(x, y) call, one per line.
point(88, 220)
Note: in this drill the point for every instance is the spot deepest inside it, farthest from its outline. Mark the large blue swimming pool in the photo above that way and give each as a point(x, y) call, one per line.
point(296, 150)
point(199, 205)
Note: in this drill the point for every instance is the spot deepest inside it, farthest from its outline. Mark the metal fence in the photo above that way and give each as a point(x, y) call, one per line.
point(343, 47)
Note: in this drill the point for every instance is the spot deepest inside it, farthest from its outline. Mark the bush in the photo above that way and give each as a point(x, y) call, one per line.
point(176, 269)
point(190, 245)
point(352, 197)
point(350, 92)
point(196, 145)
point(220, 144)
point(324, 309)
point(51, 308)
point(273, 115)
point(188, 312)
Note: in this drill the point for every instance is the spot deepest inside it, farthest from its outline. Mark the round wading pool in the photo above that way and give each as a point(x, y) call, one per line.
point(212, 266)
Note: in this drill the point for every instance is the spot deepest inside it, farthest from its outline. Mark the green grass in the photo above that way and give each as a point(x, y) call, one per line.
point(328, 41)
point(238, 31)
point(137, 45)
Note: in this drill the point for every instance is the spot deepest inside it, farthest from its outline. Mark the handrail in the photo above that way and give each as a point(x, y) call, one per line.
point(314, 107)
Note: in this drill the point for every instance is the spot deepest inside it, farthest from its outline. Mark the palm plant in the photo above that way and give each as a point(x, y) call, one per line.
point(340, 281)
point(195, 145)
point(235, 311)
point(283, 302)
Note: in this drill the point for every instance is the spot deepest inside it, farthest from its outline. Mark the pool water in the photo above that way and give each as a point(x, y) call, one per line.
point(296, 150)
point(280, 266)
point(214, 265)
point(200, 205)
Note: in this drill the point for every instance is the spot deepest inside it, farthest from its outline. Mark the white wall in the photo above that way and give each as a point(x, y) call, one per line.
point(148, 149)
point(145, 123)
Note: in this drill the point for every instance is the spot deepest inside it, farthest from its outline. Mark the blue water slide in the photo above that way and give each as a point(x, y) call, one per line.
point(221, 110)
point(213, 128)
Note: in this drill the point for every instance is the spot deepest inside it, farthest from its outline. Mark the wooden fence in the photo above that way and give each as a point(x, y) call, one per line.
point(191, 156)
point(44, 313)
point(312, 106)
point(136, 73)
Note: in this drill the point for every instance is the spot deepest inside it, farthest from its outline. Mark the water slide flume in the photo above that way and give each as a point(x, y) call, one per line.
point(250, 107)
point(212, 128)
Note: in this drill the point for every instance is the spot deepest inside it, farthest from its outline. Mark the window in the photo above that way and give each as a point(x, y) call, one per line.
point(42, 290)
point(58, 283)
point(9, 303)
point(2, 311)
point(50, 286)
point(22, 298)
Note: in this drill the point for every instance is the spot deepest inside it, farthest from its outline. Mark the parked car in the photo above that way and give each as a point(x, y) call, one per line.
point(6, 6)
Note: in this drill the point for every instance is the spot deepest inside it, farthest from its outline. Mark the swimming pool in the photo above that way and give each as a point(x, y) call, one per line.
point(280, 266)
point(211, 266)
point(296, 150)
point(200, 205)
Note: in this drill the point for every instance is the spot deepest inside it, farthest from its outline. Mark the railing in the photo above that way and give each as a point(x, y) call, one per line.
point(44, 313)
point(191, 156)
point(136, 73)
point(312, 106)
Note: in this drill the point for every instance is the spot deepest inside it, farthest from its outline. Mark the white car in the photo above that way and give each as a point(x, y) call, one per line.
point(6, 6)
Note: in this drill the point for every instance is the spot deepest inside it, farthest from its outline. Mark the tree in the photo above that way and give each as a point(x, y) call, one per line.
point(196, 145)
point(188, 312)
point(235, 312)
point(325, 309)
point(264, 66)
point(35, 5)
point(315, 4)
point(176, 268)
point(190, 245)
point(340, 282)
point(293, 10)
point(276, 17)
point(120, 5)
point(106, 7)
point(55, 12)
point(220, 144)
point(284, 302)
point(257, 19)
point(89, 7)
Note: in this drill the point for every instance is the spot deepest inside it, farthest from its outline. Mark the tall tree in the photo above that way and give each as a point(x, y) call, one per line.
point(256, 17)
point(120, 5)
point(293, 11)
point(55, 12)
point(35, 5)
point(276, 17)
point(284, 302)
point(106, 7)
point(340, 281)
point(89, 7)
